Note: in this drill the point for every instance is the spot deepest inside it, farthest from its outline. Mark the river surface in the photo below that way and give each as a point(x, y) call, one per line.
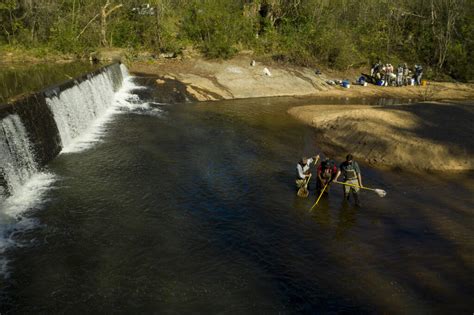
point(191, 208)
point(19, 78)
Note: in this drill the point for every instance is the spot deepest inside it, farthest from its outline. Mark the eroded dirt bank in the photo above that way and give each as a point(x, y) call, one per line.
point(429, 135)
point(236, 78)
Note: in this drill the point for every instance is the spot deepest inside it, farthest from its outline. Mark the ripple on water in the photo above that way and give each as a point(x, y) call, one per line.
point(14, 216)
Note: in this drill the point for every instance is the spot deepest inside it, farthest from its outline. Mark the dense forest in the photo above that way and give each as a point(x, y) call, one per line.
point(336, 33)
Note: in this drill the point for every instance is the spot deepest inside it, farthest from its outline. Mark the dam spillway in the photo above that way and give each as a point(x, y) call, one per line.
point(16, 155)
point(35, 129)
point(75, 108)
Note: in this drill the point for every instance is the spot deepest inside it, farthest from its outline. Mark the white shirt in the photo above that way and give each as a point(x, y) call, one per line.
point(300, 170)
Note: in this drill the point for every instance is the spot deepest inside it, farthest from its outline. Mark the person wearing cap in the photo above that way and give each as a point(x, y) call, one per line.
point(303, 171)
point(351, 172)
point(327, 171)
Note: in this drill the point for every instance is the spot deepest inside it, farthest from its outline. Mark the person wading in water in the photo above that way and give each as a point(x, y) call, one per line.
point(303, 171)
point(351, 172)
point(327, 171)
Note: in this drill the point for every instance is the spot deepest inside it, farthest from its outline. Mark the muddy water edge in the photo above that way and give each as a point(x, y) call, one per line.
point(191, 208)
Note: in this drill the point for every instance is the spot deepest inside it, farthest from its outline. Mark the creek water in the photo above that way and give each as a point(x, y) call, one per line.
point(20, 78)
point(191, 208)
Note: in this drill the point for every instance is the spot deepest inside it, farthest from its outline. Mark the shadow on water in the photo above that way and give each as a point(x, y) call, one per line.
point(440, 123)
point(195, 211)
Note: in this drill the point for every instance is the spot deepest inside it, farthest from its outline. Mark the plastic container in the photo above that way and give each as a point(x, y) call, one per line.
point(346, 84)
point(380, 82)
point(424, 82)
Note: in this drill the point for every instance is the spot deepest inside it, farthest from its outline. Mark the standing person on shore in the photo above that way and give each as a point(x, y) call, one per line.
point(351, 172)
point(400, 75)
point(375, 68)
point(303, 171)
point(418, 74)
point(406, 74)
point(389, 75)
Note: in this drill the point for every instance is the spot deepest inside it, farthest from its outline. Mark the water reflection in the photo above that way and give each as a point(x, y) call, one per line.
point(346, 220)
point(18, 79)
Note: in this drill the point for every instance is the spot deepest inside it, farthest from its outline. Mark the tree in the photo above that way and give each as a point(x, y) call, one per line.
point(103, 25)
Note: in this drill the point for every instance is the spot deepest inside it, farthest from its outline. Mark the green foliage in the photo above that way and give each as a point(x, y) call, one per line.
point(338, 33)
point(127, 33)
point(217, 26)
point(7, 5)
point(63, 39)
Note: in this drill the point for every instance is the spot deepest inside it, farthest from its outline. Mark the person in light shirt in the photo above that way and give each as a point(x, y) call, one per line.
point(303, 171)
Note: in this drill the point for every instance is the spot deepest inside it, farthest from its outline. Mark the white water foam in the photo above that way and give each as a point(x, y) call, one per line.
point(142, 109)
point(17, 162)
point(25, 186)
point(128, 102)
point(12, 217)
point(77, 108)
point(82, 123)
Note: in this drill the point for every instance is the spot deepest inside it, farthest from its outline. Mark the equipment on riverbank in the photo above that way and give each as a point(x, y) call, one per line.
point(320, 195)
point(303, 191)
point(382, 193)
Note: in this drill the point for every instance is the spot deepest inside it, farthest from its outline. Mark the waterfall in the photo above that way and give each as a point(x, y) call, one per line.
point(29, 139)
point(74, 105)
point(76, 108)
point(17, 163)
point(17, 167)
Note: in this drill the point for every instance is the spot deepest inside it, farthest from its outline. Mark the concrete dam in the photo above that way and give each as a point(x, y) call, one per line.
point(35, 129)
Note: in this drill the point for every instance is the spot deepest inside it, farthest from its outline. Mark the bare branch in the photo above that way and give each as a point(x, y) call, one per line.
point(87, 25)
point(113, 9)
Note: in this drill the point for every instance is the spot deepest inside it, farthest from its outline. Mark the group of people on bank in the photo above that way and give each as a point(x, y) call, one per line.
point(328, 172)
point(387, 75)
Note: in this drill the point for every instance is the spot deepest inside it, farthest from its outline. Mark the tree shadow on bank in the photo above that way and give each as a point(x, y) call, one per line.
point(449, 124)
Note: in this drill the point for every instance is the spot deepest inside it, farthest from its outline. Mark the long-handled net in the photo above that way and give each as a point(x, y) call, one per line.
point(382, 193)
point(320, 195)
point(303, 190)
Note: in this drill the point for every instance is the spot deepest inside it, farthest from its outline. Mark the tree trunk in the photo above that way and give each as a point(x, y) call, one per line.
point(103, 24)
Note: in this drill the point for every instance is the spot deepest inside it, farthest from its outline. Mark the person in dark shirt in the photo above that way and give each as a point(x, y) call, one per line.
point(351, 172)
point(326, 171)
point(418, 74)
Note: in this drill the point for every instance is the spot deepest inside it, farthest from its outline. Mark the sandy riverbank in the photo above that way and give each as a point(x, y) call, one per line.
point(236, 78)
point(429, 135)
